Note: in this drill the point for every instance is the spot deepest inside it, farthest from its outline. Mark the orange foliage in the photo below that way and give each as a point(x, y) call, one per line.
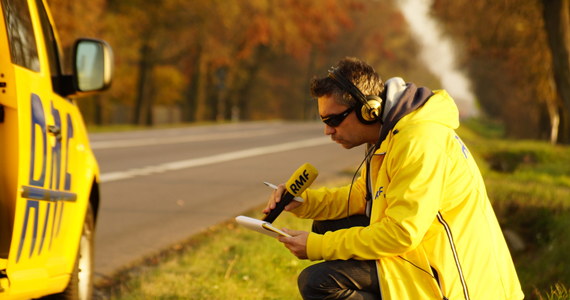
point(231, 56)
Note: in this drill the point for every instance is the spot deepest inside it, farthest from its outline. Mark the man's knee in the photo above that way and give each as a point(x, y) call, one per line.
point(311, 281)
point(339, 279)
point(305, 281)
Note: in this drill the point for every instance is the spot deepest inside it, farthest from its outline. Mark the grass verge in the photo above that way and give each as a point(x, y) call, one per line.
point(225, 262)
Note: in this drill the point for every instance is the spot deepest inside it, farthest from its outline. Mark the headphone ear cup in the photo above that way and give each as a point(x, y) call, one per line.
point(370, 113)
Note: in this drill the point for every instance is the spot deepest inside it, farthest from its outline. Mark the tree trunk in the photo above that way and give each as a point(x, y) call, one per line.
point(142, 100)
point(557, 23)
point(220, 92)
point(190, 105)
point(244, 92)
point(98, 110)
point(310, 106)
point(200, 79)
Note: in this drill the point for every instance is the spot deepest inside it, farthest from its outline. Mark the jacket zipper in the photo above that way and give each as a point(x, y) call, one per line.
point(455, 256)
point(433, 275)
point(436, 277)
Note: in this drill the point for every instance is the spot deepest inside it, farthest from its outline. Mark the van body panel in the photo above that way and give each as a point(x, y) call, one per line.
point(48, 169)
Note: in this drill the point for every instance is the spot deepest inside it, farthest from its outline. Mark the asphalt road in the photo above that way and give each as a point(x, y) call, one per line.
point(160, 187)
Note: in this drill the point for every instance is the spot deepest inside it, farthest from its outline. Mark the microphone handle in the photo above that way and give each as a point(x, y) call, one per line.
point(279, 207)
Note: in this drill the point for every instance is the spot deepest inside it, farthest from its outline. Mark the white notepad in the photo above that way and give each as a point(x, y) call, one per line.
point(260, 226)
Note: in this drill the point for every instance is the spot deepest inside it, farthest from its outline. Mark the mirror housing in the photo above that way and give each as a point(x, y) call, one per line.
point(92, 66)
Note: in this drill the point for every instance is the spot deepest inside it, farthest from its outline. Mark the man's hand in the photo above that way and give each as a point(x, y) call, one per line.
point(276, 197)
point(297, 243)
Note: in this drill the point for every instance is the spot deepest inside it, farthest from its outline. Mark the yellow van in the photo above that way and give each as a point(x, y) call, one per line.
point(49, 190)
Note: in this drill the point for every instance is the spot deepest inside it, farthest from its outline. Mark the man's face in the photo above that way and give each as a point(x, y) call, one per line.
point(350, 132)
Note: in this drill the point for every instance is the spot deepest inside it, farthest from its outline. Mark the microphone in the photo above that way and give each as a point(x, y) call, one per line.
point(297, 184)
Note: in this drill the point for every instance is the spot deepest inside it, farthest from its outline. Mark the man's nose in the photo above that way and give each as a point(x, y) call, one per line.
point(329, 130)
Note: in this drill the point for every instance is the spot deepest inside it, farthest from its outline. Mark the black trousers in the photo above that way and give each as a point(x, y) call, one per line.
point(340, 279)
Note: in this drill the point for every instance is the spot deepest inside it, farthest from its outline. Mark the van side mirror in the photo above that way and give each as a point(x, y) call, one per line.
point(92, 65)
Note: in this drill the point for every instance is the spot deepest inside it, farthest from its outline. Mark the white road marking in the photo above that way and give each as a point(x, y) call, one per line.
point(97, 145)
point(208, 160)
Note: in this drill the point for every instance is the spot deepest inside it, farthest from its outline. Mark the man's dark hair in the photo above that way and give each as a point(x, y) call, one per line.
point(361, 74)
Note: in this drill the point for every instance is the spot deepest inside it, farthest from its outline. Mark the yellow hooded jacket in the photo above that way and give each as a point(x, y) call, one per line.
point(432, 230)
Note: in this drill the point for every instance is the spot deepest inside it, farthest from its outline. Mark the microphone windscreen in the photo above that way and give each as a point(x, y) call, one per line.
point(301, 179)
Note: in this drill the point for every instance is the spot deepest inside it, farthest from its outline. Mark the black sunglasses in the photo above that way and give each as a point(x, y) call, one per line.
point(335, 120)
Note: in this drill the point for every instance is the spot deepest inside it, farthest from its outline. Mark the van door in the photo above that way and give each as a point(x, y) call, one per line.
point(41, 253)
point(8, 143)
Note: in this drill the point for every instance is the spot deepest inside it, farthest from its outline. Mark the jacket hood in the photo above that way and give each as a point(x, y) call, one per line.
point(419, 104)
point(411, 99)
point(440, 109)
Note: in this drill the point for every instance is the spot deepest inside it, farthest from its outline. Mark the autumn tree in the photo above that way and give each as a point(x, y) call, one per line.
point(557, 23)
point(236, 60)
point(504, 49)
point(237, 40)
point(149, 29)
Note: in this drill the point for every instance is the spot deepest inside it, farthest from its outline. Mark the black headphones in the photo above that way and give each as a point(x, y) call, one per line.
point(369, 108)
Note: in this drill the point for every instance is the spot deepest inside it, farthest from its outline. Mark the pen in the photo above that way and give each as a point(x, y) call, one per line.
point(271, 185)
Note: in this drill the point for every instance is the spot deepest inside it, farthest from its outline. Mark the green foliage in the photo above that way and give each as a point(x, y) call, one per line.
point(529, 185)
point(484, 128)
point(557, 292)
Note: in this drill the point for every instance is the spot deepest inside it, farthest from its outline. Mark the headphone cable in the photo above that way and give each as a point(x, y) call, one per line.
point(370, 151)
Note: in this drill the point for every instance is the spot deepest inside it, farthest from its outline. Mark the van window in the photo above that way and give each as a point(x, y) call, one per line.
point(51, 46)
point(23, 49)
